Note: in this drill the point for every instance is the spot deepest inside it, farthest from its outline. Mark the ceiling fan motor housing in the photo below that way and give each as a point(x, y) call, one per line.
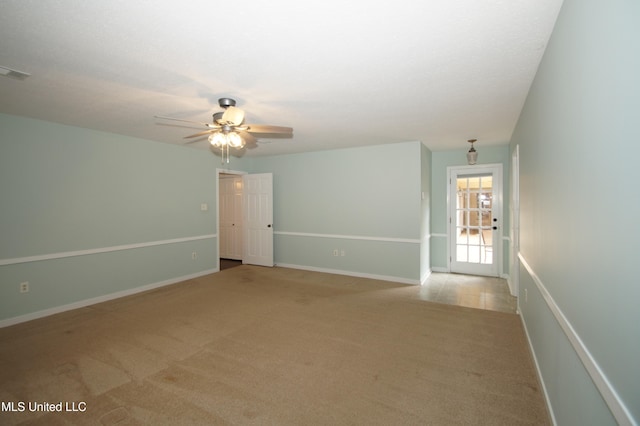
point(226, 102)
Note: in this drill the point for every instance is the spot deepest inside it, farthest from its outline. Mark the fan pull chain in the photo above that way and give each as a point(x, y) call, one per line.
point(225, 153)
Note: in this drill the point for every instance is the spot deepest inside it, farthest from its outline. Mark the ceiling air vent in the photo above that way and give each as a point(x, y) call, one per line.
point(18, 75)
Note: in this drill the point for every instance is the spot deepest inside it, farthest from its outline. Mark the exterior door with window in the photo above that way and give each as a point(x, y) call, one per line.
point(475, 208)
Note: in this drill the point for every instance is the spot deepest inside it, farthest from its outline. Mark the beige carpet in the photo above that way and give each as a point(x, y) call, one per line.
point(272, 346)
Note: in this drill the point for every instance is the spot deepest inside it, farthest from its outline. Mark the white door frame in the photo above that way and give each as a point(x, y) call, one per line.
point(218, 173)
point(514, 273)
point(496, 170)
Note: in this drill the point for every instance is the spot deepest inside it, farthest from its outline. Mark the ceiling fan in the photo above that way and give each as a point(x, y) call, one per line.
point(228, 129)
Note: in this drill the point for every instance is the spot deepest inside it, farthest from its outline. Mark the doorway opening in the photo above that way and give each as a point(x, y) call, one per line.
point(245, 217)
point(229, 263)
point(230, 223)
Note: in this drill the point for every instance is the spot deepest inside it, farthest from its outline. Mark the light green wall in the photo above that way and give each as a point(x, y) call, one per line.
point(89, 199)
point(578, 139)
point(355, 191)
point(372, 192)
point(439, 163)
point(66, 189)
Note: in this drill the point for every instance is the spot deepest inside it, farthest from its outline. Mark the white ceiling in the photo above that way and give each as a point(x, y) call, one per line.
point(341, 73)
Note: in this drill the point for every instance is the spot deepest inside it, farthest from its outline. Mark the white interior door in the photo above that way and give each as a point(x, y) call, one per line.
point(475, 208)
point(258, 219)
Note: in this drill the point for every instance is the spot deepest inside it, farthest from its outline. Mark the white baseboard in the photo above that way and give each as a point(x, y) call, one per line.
point(538, 371)
point(425, 277)
point(439, 269)
point(350, 273)
point(94, 300)
point(511, 285)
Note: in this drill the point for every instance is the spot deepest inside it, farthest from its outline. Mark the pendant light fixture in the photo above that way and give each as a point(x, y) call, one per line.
point(472, 155)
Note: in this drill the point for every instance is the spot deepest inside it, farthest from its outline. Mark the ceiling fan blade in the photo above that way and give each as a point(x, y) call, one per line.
point(184, 121)
point(233, 116)
point(248, 138)
point(263, 128)
point(204, 132)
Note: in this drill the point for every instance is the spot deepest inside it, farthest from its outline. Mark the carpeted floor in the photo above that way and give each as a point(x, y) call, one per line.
point(272, 346)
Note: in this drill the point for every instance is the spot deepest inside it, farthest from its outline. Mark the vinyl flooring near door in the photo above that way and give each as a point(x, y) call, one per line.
point(472, 291)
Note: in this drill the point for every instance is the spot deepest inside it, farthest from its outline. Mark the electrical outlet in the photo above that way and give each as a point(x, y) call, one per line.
point(194, 255)
point(24, 287)
point(335, 252)
point(342, 252)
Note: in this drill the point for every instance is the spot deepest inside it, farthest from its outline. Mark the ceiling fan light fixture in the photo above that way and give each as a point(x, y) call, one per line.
point(235, 140)
point(222, 139)
point(472, 154)
point(225, 140)
point(217, 139)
